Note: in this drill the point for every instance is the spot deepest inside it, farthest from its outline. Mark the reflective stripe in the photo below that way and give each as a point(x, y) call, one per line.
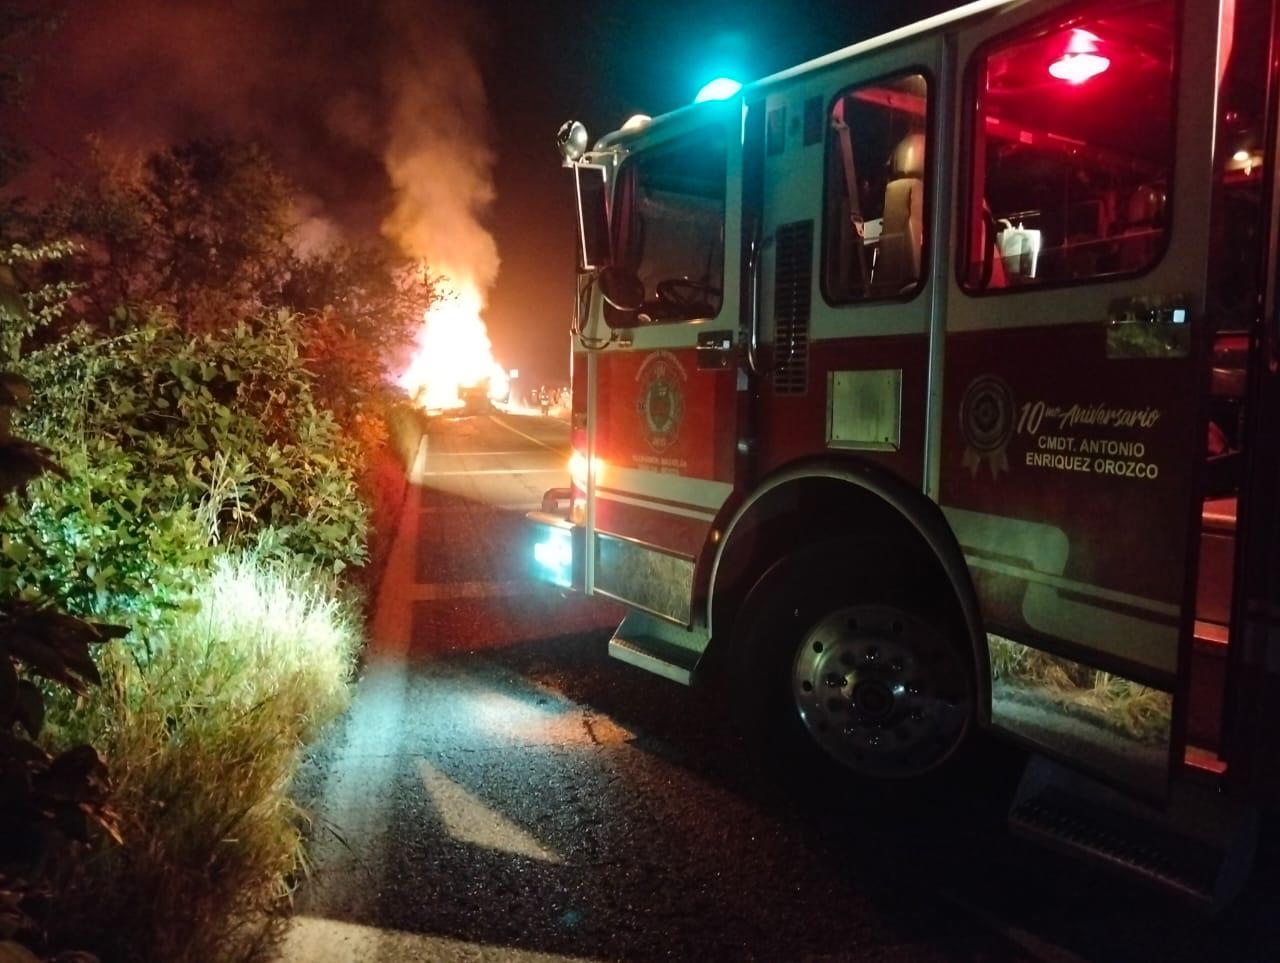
point(692, 492)
point(611, 496)
point(1077, 588)
point(1044, 550)
point(493, 471)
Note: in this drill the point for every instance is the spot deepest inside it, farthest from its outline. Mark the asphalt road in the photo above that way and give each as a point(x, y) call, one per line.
point(501, 789)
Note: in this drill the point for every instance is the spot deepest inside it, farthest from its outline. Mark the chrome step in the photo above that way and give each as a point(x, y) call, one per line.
point(657, 646)
point(1198, 848)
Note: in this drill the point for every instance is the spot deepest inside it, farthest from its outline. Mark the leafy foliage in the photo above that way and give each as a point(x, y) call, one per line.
point(177, 444)
point(178, 447)
point(27, 309)
point(199, 229)
point(209, 234)
point(40, 792)
point(213, 397)
point(44, 798)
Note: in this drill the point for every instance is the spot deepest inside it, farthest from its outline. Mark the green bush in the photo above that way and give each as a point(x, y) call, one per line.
point(212, 500)
point(90, 542)
point(203, 743)
point(48, 802)
point(216, 472)
point(177, 443)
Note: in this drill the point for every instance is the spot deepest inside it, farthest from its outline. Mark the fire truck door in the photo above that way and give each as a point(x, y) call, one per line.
point(666, 392)
point(1253, 664)
point(1070, 428)
point(850, 262)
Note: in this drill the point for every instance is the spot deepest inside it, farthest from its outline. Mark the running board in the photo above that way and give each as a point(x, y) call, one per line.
point(657, 646)
point(1200, 848)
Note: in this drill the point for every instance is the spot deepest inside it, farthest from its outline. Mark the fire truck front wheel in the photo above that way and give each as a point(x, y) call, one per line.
point(855, 670)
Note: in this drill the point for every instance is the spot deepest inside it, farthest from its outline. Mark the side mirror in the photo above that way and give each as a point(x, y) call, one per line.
point(623, 294)
point(593, 215)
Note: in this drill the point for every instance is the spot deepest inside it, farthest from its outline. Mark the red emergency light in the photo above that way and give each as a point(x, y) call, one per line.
point(1081, 59)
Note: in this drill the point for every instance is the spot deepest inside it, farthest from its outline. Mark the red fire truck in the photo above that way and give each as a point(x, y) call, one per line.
point(933, 385)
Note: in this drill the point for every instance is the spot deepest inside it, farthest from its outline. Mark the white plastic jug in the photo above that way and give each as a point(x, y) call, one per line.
point(1019, 250)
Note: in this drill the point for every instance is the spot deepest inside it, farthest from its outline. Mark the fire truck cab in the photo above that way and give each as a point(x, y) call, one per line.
point(932, 385)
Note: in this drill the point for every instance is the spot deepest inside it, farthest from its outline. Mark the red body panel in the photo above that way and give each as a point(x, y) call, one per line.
point(653, 526)
point(692, 435)
point(795, 426)
point(1025, 437)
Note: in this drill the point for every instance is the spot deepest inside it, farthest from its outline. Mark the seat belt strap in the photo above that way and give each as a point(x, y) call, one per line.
point(851, 191)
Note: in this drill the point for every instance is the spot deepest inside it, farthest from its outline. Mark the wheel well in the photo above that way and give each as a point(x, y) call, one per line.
point(900, 533)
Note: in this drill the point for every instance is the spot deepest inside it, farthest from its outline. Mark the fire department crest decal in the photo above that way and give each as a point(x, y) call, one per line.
point(661, 399)
point(986, 419)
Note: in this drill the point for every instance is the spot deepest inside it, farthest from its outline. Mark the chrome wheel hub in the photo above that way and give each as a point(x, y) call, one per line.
point(881, 691)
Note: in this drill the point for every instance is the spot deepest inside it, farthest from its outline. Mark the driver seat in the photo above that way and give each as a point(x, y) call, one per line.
point(902, 236)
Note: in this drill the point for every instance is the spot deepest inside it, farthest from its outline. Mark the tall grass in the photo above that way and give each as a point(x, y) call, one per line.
point(203, 736)
point(1120, 704)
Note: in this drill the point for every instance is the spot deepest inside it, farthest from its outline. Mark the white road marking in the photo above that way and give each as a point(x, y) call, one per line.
point(315, 940)
point(469, 819)
point(543, 444)
point(352, 832)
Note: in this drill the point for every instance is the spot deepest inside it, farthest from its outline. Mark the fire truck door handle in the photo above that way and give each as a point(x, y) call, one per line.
point(715, 349)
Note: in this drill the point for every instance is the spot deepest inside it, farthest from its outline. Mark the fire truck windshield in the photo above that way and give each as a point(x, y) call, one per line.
point(669, 227)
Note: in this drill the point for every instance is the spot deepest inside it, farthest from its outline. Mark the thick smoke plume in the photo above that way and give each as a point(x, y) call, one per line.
point(437, 155)
point(375, 109)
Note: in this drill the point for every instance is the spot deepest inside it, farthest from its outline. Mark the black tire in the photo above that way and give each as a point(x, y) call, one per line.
point(883, 690)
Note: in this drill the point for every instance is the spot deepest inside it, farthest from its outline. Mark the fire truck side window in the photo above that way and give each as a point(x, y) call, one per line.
point(670, 228)
point(875, 190)
point(1072, 147)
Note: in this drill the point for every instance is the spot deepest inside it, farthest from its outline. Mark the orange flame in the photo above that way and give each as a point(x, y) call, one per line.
point(454, 352)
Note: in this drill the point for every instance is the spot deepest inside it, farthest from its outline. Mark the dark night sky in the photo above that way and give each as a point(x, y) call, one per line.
point(601, 63)
point(308, 79)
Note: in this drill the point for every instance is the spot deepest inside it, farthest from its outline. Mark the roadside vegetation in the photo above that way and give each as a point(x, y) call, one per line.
point(193, 477)
point(201, 741)
point(1131, 710)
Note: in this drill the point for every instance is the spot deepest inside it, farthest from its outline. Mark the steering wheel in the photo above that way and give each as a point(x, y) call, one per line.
point(687, 296)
